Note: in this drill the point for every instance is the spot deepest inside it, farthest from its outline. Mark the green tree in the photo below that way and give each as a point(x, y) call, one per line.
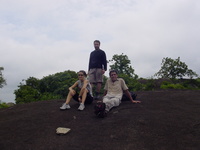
point(121, 63)
point(174, 68)
point(54, 86)
point(28, 91)
point(132, 83)
point(2, 80)
point(26, 94)
point(58, 83)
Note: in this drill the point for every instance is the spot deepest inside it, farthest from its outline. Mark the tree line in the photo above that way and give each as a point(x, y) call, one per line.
point(56, 86)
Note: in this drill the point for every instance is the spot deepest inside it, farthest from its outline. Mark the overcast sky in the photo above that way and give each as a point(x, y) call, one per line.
point(39, 38)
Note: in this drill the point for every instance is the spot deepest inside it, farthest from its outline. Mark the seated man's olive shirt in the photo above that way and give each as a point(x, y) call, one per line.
point(115, 89)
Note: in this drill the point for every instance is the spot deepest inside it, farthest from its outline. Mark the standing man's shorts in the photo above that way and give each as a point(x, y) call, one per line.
point(95, 75)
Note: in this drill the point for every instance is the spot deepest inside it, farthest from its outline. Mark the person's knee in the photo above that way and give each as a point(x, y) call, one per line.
point(86, 90)
point(71, 93)
point(105, 100)
point(83, 89)
point(116, 102)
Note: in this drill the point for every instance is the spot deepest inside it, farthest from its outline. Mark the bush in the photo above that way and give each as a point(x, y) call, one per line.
point(26, 94)
point(132, 83)
point(167, 85)
point(149, 85)
point(3, 105)
point(191, 83)
point(49, 96)
point(50, 87)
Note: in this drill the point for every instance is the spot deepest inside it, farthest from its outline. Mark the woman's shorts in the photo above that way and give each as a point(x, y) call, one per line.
point(88, 100)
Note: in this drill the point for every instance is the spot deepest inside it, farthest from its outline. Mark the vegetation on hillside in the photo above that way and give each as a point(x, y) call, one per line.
point(2, 79)
point(122, 65)
point(175, 68)
point(55, 86)
point(50, 87)
point(3, 105)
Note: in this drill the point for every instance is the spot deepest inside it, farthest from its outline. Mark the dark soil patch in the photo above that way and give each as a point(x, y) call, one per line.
point(165, 120)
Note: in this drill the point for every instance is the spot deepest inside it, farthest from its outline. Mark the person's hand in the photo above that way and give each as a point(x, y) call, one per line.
point(79, 99)
point(135, 102)
point(72, 92)
point(103, 71)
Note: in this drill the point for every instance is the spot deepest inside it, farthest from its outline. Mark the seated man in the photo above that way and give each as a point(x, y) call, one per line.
point(114, 89)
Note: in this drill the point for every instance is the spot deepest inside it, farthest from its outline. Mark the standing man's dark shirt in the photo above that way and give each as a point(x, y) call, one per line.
point(98, 60)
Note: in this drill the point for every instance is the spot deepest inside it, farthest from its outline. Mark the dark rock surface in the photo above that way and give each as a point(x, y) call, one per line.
point(165, 120)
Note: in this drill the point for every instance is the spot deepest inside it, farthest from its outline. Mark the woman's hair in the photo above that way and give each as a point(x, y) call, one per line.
point(84, 73)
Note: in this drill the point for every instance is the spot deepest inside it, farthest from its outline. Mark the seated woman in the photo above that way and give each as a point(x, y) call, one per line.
point(85, 94)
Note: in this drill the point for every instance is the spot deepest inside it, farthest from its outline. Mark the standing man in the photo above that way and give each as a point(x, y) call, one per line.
point(97, 67)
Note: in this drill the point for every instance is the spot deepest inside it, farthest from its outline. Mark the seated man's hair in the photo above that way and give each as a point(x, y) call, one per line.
point(111, 71)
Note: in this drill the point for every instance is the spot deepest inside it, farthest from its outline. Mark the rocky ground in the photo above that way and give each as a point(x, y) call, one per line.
point(165, 120)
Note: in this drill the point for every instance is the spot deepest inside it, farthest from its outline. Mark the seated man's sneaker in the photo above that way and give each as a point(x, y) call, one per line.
point(65, 106)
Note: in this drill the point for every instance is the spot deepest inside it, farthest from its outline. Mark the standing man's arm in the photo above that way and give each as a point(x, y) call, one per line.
point(89, 62)
point(106, 88)
point(104, 62)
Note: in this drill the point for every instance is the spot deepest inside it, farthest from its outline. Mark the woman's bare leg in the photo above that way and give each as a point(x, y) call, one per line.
point(69, 97)
point(84, 95)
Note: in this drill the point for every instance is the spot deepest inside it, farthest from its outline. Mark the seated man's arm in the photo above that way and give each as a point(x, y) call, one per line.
point(129, 96)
